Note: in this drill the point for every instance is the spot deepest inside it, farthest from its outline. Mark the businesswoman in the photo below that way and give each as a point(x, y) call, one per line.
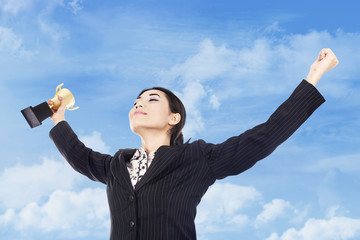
point(153, 191)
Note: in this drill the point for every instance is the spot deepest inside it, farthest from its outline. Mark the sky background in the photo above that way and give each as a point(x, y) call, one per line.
point(231, 62)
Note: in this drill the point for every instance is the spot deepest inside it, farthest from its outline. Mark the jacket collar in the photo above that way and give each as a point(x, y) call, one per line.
point(164, 156)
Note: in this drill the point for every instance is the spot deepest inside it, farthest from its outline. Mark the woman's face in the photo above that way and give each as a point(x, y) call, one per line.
point(151, 112)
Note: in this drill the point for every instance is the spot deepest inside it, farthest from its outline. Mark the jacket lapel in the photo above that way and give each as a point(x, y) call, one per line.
point(118, 167)
point(164, 156)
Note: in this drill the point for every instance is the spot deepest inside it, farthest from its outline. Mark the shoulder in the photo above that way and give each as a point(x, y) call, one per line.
point(126, 152)
point(200, 147)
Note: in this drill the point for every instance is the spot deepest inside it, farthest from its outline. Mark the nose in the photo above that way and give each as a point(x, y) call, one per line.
point(139, 105)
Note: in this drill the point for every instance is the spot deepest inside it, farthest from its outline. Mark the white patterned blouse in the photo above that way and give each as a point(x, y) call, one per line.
point(139, 164)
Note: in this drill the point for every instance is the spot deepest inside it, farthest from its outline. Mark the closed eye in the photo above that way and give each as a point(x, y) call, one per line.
point(150, 100)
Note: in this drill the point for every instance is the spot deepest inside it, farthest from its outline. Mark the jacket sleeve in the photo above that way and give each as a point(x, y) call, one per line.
point(90, 163)
point(240, 153)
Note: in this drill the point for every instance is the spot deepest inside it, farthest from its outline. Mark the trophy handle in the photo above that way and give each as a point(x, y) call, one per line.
point(72, 108)
point(58, 88)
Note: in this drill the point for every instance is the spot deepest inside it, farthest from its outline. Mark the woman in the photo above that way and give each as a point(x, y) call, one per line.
point(153, 191)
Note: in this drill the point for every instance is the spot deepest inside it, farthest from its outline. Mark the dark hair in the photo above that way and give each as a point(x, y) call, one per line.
point(176, 106)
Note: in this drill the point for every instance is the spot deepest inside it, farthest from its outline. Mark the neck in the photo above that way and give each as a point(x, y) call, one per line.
point(152, 141)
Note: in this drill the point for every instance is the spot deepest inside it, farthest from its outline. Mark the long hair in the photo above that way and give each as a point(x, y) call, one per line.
point(176, 106)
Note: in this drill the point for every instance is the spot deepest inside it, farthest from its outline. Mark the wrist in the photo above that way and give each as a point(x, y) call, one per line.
point(56, 121)
point(313, 77)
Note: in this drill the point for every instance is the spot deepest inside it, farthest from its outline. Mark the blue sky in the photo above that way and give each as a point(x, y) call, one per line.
point(231, 62)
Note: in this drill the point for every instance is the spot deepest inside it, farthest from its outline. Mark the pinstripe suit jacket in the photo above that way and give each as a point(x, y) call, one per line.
point(163, 204)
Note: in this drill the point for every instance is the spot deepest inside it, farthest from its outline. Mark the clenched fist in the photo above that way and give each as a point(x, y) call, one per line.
point(325, 61)
point(59, 114)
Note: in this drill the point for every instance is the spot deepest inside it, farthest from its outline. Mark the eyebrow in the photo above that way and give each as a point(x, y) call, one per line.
point(151, 94)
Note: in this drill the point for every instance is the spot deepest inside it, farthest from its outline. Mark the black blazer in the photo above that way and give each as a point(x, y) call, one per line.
point(163, 204)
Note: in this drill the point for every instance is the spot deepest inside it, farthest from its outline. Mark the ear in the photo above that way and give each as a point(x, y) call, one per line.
point(174, 119)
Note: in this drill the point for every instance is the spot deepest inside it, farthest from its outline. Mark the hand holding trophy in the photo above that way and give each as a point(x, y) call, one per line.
point(35, 115)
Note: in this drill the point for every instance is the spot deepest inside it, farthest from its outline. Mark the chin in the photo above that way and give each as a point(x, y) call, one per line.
point(137, 128)
point(133, 128)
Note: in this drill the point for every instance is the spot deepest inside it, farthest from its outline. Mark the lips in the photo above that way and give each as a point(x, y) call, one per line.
point(140, 112)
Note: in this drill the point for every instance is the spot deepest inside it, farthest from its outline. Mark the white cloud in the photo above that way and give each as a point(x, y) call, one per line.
point(75, 6)
point(267, 66)
point(220, 209)
point(43, 10)
point(214, 100)
point(297, 52)
point(95, 142)
point(208, 63)
point(23, 184)
point(345, 163)
point(277, 208)
point(9, 41)
point(78, 214)
point(323, 229)
point(336, 210)
point(274, 28)
point(15, 6)
point(56, 32)
point(227, 66)
point(190, 96)
point(12, 44)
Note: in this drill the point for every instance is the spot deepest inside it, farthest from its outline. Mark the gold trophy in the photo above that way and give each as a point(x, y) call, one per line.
point(35, 115)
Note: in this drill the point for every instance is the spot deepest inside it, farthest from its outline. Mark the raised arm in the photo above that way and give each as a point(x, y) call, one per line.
point(239, 153)
point(90, 163)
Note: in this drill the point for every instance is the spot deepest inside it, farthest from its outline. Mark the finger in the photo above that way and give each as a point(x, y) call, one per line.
point(331, 59)
point(322, 54)
point(62, 106)
point(329, 51)
point(329, 54)
point(51, 103)
point(62, 101)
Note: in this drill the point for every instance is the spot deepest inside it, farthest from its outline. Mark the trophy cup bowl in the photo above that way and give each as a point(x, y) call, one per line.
point(66, 95)
point(35, 115)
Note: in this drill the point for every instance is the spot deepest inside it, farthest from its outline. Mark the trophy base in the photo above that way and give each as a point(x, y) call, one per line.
point(35, 115)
